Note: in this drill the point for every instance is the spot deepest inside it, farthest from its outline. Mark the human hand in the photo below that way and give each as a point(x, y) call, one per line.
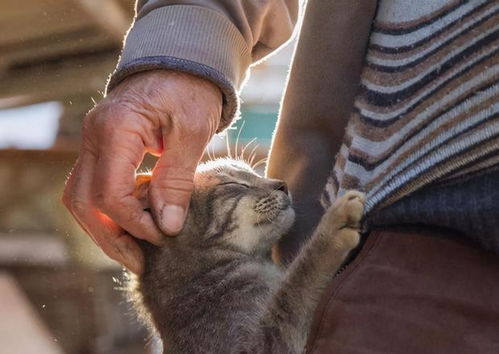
point(169, 114)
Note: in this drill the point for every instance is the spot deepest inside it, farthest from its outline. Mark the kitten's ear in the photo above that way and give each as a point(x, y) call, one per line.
point(141, 192)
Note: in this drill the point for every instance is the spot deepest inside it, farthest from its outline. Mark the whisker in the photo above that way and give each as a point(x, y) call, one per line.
point(271, 221)
point(246, 146)
point(207, 152)
point(252, 155)
point(228, 145)
point(236, 148)
point(213, 151)
point(259, 162)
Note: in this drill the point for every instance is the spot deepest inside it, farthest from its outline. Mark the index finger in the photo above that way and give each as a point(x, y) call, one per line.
point(107, 235)
point(114, 185)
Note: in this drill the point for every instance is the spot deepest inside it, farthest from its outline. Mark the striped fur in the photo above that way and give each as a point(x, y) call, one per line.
point(428, 105)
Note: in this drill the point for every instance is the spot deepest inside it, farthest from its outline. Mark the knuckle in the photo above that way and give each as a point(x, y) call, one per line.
point(135, 215)
point(89, 117)
point(117, 208)
point(168, 178)
point(78, 206)
point(108, 115)
point(88, 123)
point(174, 193)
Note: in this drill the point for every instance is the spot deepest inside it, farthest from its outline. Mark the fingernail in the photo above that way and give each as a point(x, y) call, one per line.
point(172, 218)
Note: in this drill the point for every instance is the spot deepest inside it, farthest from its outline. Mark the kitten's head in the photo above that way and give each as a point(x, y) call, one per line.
point(234, 207)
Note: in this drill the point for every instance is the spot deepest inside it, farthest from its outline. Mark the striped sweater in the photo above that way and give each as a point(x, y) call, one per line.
point(427, 110)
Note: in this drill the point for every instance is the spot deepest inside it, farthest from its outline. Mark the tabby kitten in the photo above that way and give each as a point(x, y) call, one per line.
point(215, 289)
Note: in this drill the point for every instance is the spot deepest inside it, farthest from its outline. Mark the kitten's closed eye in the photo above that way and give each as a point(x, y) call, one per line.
point(234, 184)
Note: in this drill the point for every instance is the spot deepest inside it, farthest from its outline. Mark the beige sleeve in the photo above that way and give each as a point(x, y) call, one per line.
point(215, 39)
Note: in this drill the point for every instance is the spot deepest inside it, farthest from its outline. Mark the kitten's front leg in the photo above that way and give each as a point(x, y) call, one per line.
point(290, 313)
point(339, 227)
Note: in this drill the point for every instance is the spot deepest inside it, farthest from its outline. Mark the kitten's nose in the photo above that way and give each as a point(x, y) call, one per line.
point(279, 185)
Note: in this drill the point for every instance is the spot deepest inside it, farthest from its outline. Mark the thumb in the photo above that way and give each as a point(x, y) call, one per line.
point(172, 180)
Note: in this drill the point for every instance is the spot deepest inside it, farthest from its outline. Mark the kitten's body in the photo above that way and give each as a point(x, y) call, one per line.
point(215, 289)
point(217, 301)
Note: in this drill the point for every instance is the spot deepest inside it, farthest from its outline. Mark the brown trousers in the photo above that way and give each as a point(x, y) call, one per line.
point(411, 292)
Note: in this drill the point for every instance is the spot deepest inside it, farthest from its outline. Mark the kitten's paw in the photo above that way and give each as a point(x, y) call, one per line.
point(346, 215)
point(348, 210)
point(341, 222)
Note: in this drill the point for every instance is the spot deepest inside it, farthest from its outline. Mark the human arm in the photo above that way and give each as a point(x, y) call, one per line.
point(214, 39)
point(170, 114)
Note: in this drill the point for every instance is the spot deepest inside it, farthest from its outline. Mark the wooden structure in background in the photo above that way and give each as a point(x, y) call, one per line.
point(64, 294)
point(64, 50)
point(55, 49)
point(66, 278)
point(60, 50)
point(23, 332)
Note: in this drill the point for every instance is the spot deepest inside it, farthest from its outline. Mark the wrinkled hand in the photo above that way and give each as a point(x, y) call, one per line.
point(165, 113)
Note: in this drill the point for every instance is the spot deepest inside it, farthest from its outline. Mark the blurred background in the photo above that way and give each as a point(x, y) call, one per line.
point(58, 293)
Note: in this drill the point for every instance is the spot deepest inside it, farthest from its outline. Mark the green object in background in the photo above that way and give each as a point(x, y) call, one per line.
point(256, 122)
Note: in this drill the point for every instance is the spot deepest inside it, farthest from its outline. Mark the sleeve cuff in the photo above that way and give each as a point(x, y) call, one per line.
point(191, 39)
